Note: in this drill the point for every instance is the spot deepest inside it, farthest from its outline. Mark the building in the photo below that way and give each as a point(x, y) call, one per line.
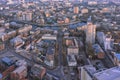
point(98, 51)
point(21, 63)
point(2, 30)
point(3, 36)
point(101, 37)
point(90, 32)
point(72, 46)
point(10, 2)
point(67, 20)
point(116, 58)
point(15, 1)
point(25, 29)
point(21, 1)
point(17, 42)
point(105, 10)
point(49, 37)
point(71, 60)
point(7, 61)
point(38, 71)
point(26, 16)
point(19, 73)
point(87, 72)
point(2, 46)
point(50, 56)
point(76, 9)
point(47, 14)
point(107, 42)
point(84, 11)
point(109, 74)
point(1, 76)
point(6, 73)
point(81, 1)
point(11, 34)
point(92, 3)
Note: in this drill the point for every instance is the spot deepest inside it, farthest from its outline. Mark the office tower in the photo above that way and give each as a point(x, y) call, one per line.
point(107, 42)
point(90, 32)
point(76, 9)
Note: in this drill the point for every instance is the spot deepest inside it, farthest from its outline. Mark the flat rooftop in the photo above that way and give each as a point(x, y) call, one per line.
point(109, 74)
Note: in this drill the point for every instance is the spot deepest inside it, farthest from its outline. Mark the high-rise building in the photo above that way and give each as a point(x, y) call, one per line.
point(76, 9)
point(107, 42)
point(90, 32)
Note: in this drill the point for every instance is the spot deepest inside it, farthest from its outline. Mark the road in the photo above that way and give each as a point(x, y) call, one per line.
point(59, 70)
point(60, 58)
point(107, 60)
point(36, 24)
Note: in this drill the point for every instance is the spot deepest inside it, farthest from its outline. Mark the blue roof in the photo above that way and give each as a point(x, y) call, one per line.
point(7, 60)
point(97, 48)
point(1, 76)
point(100, 33)
point(117, 56)
point(73, 26)
point(50, 51)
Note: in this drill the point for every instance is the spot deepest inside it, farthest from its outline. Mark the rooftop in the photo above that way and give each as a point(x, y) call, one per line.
point(20, 69)
point(1, 76)
point(97, 48)
point(90, 69)
point(71, 58)
point(109, 74)
point(117, 55)
point(37, 69)
point(7, 60)
point(50, 51)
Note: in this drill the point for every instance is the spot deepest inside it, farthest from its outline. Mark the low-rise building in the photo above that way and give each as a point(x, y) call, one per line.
point(84, 11)
point(26, 16)
point(3, 36)
point(50, 56)
point(25, 29)
point(21, 63)
point(12, 34)
point(2, 29)
point(2, 46)
point(7, 61)
point(49, 37)
point(1, 76)
point(37, 71)
point(98, 51)
point(101, 37)
point(109, 74)
point(19, 73)
point(89, 72)
point(71, 60)
point(17, 42)
point(72, 46)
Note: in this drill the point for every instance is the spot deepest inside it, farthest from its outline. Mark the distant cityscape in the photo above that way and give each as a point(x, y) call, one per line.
point(59, 39)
